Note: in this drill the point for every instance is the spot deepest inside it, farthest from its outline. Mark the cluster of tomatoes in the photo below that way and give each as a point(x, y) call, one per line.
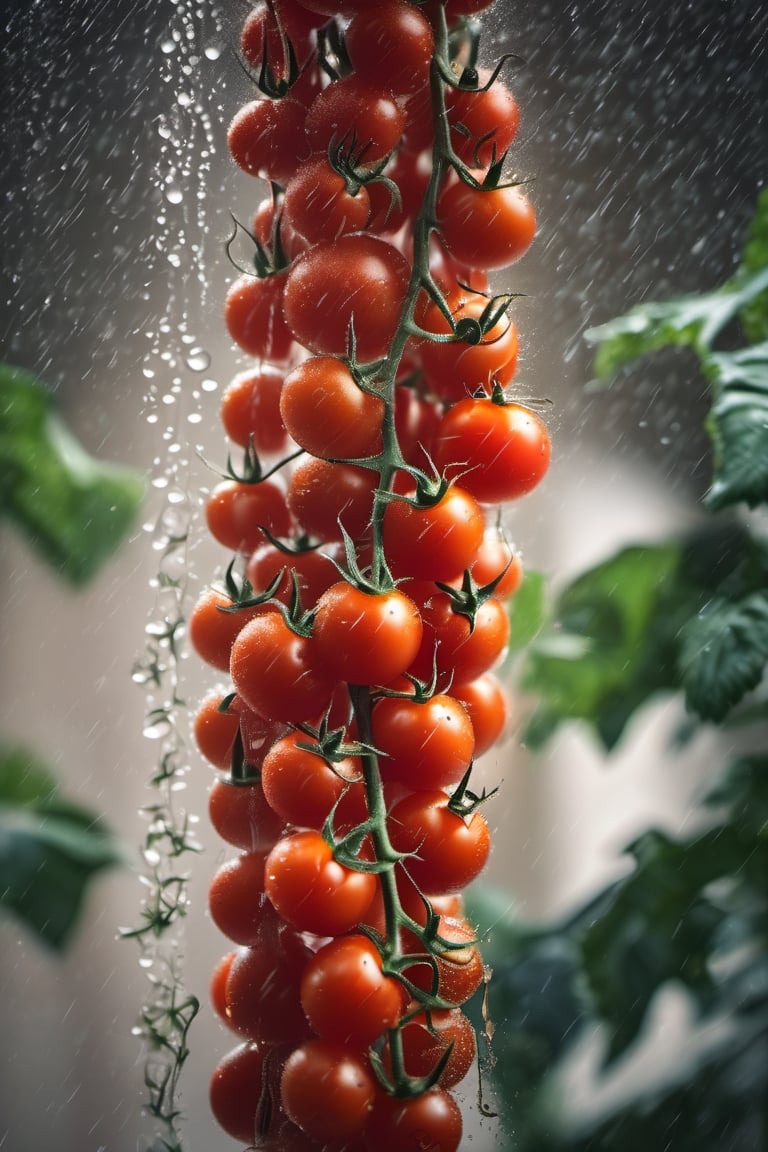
point(362, 617)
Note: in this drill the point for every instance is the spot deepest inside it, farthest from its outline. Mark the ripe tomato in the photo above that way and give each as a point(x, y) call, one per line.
point(241, 815)
point(253, 313)
point(356, 115)
point(314, 571)
point(237, 513)
point(483, 122)
point(486, 228)
point(449, 851)
point(487, 703)
point(328, 1091)
point(455, 370)
point(235, 897)
point(303, 786)
point(250, 410)
point(391, 44)
point(328, 414)
point(214, 731)
point(268, 138)
point(262, 994)
point(357, 279)
point(218, 984)
point(429, 1121)
point(426, 1039)
point(423, 745)
point(234, 1091)
point(502, 451)
point(319, 204)
point(346, 996)
point(363, 637)
point(212, 630)
point(497, 558)
point(433, 543)
point(451, 645)
point(261, 40)
point(321, 495)
point(274, 671)
point(460, 970)
point(310, 890)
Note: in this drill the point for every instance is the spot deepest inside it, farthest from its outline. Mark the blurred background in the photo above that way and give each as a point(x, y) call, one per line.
point(643, 130)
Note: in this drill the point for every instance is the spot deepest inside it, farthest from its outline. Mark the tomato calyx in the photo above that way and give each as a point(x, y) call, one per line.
point(265, 260)
point(332, 51)
point(241, 594)
point(463, 802)
point(468, 599)
point(276, 83)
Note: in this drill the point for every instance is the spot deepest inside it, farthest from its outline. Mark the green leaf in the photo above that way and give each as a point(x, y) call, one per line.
point(695, 321)
point(527, 611)
point(723, 653)
point(754, 314)
point(75, 510)
point(49, 849)
point(738, 426)
point(610, 645)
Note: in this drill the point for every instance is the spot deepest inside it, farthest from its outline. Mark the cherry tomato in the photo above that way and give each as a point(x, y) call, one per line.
point(351, 113)
point(274, 671)
point(436, 542)
point(241, 815)
point(253, 314)
point(429, 1121)
point(261, 40)
point(449, 851)
point(363, 637)
point(268, 138)
point(262, 993)
point(302, 786)
point(423, 745)
point(213, 628)
point(215, 731)
point(234, 1091)
point(483, 121)
point(321, 495)
point(391, 44)
point(487, 703)
point(346, 996)
point(320, 204)
point(328, 1091)
point(313, 569)
point(310, 890)
point(460, 970)
point(218, 984)
point(456, 369)
point(498, 559)
point(235, 897)
point(357, 280)
point(426, 1039)
point(238, 513)
point(501, 451)
point(328, 414)
point(452, 645)
point(486, 228)
point(250, 410)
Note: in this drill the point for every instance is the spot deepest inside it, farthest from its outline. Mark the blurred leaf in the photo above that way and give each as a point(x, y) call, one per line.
point(75, 510)
point(723, 652)
point(610, 645)
point(738, 426)
point(527, 611)
point(49, 849)
point(754, 315)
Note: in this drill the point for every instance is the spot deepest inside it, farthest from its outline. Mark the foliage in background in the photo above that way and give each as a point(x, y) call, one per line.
point(686, 616)
point(75, 511)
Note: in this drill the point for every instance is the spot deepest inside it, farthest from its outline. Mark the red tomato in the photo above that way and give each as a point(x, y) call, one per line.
point(357, 116)
point(483, 122)
point(322, 494)
point(423, 745)
point(268, 138)
point(250, 410)
point(234, 1091)
point(357, 279)
point(241, 815)
point(497, 558)
point(487, 703)
point(262, 993)
point(274, 671)
point(237, 513)
point(215, 731)
point(365, 638)
point(448, 851)
point(429, 1121)
point(320, 205)
point(218, 984)
point(328, 1091)
point(235, 897)
point(425, 1041)
point(460, 970)
point(310, 890)
point(253, 313)
point(486, 228)
point(436, 542)
point(328, 414)
point(456, 369)
point(302, 786)
point(314, 571)
point(346, 996)
point(454, 647)
point(261, 39)
point(391, 44)
point(212, 629)
point(502, 451)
